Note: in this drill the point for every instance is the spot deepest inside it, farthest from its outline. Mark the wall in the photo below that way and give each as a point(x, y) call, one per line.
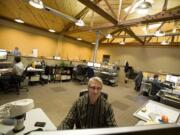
point(48, 44)
point(26, 41)
point(164, 59)
point(74, 50)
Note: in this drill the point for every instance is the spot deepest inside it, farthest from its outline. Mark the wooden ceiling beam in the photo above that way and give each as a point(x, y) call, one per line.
point(156, 30)
point(152, 44)
point(119, 11)
point(78, 16)
point(168, 15)
point(98, 10)
point(171, 14)
point(149, 35)
point(112, 33)
point(127, 13)
point(109, 6)
point(101, 12)
point(165, 5)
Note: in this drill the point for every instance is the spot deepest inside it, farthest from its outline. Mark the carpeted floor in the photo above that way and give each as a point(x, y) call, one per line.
point(56, 99)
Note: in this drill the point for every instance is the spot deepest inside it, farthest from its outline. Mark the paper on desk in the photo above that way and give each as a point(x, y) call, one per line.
point(159, 110)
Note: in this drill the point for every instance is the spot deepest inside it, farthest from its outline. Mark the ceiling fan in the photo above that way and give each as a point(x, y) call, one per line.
point(40, 5)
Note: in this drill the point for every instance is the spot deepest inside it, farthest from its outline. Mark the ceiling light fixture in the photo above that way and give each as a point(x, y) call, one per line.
point(79, 38)
point(159, 33)
point(80, 23)
point(122, 43)
point(174, 30)
point(109, 36)
point(139, 3)
point(18, 20)
point(51, 30)
point(164, 42)
point(93, 43)
point(39, 4)
point(143, 7)
point(36, 3)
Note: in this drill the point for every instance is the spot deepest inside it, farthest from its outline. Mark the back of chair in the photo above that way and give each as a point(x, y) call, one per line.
point(23, 76)
point(83, 92)
point(145, 87)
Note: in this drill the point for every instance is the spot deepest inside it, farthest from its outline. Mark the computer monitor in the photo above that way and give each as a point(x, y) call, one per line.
point(3, 55)
point(171, 78)
point(159, 129)
point(97, 65)
point(90, 64)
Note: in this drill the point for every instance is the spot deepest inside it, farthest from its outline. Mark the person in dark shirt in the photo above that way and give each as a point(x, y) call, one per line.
point(91, 110)
point(156, 86)
point(138, 79)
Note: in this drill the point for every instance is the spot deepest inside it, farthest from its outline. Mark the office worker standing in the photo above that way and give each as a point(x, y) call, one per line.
point(16, 52)
point(91, 110)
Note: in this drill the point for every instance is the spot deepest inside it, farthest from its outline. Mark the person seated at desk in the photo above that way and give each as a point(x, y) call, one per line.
point(91, 110)
point(18, 67)
point(156, 86)
point(15, 74)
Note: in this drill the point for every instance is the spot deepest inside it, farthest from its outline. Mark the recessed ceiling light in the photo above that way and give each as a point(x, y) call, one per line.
point(80, 23)
point(36, 3)
point(122, 43)
point(109, 36)
point(159, 33)
point(164, 42)
point(79, 39)
point(174, 30)
point(18, 20)
point(51, 30)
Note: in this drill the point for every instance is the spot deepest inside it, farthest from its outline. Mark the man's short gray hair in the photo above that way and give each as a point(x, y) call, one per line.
point(95, 79)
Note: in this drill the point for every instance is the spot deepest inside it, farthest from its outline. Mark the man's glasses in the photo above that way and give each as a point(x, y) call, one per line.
point(93, 87)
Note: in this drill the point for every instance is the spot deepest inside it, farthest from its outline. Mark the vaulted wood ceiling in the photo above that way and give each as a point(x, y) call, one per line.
point(106, 16)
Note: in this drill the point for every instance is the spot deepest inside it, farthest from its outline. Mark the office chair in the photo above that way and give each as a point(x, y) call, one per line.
point(145, 88)
point(17, 81)
point(152, 95)
point(85, 91)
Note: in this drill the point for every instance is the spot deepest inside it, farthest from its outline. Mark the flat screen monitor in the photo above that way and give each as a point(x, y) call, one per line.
point(171, 78)
point(97, 65)
point(159, 129)
point(3, 55)
point(90, 64)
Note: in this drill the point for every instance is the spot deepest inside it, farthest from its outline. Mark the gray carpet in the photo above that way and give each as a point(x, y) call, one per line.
point(56, 99)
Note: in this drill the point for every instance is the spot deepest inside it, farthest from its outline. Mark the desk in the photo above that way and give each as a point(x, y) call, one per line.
point(31, 118)
point(158, 109)
point(5, 70)
point(170, 97)
point(34, 74)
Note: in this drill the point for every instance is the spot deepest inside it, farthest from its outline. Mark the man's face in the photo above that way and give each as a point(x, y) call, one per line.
point(94, 90)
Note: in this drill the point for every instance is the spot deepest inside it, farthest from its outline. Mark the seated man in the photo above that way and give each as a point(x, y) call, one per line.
point(156, 86)
point(90, 110)
point(15, 74)
point(18, 67)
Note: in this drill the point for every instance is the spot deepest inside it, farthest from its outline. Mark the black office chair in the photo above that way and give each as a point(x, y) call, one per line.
point(83, 92)
point(152, 93)
point(18, 80)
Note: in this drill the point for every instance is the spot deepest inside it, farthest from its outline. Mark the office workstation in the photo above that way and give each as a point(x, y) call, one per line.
point(53, 51)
